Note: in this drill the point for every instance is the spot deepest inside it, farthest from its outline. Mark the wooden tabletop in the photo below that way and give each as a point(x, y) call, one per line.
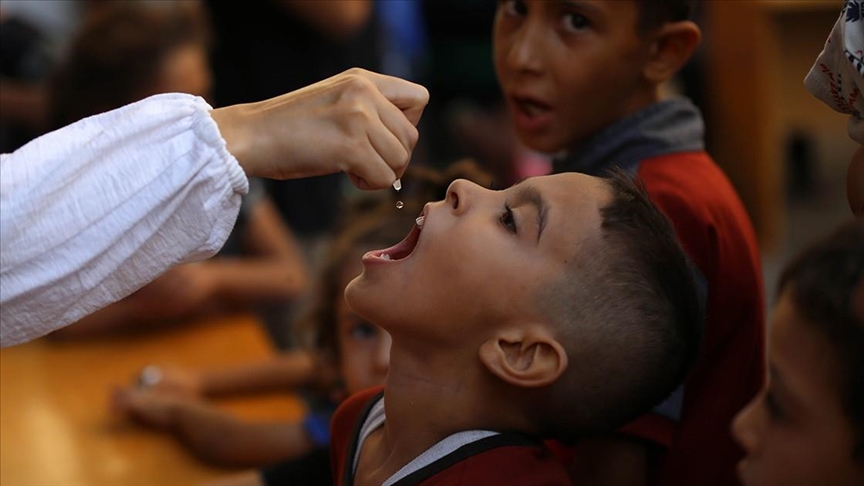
point(56, 427)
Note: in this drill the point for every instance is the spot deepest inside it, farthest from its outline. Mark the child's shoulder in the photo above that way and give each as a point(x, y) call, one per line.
point(690, 186)
point(525, 463)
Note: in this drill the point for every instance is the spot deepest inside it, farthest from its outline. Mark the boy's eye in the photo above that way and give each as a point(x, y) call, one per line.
point(362, 330)
point(774, 409)
point(513, 7)
point(507, 219)
point(575, 22)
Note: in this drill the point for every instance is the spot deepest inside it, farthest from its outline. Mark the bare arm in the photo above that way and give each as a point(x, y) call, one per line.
point(25, 104)
point(213, 435)
point(290, 370)
point(335, 19)
point(275, 270)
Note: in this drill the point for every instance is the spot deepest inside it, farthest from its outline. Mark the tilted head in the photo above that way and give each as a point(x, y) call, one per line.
point(570, 68)
point(807, 425)
point(568, 294)
point(357, 348)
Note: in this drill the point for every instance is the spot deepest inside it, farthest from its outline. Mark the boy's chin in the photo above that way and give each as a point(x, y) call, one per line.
point(365, 301)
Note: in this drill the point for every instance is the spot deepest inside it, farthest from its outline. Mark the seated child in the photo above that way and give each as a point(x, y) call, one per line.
point(806, 427)
point(560, 307)
point(582, 81)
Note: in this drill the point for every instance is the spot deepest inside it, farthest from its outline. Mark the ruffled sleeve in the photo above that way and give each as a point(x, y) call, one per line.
point(94, 211)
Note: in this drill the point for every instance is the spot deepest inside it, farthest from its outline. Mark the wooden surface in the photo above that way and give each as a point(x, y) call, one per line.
point(56, 427)
point(757, 53)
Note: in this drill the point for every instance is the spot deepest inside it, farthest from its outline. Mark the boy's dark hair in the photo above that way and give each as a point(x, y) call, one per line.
point(631, 319)
point(826, 285)
point(117, 56)
point(654, 13)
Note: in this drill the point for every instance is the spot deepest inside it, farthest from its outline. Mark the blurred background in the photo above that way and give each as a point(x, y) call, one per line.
point(61, 60)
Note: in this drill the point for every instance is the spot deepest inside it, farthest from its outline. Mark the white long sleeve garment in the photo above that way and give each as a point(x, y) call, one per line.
point(94, 211)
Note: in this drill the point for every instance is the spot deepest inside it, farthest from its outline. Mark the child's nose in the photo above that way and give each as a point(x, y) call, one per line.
point(745, 427)
point(461, 194)
point(524, 53)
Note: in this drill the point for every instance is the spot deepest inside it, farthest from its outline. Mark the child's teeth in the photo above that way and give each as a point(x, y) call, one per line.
point(385, 257)
point(420, 221)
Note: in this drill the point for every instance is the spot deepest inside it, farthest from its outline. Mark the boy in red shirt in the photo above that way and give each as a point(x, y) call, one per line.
point(581, 79)
point(559, 307)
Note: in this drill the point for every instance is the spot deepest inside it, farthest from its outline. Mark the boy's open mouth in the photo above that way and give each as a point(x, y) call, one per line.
point(531, 107)
point(403, 249)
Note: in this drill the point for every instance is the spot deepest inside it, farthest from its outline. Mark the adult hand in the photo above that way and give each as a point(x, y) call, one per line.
point(358, 122)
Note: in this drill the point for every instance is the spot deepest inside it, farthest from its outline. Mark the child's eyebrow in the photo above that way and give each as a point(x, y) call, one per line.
point(526, 194)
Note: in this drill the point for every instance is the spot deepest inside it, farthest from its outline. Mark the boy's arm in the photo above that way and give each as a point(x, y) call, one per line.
point(273, 270)
point(289, 370)
point(214, 435)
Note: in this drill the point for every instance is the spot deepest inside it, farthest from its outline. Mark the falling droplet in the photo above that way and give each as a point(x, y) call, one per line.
point(397, 185)
point(400, 205)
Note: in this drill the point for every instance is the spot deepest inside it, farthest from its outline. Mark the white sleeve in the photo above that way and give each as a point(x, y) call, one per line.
point(94, 211)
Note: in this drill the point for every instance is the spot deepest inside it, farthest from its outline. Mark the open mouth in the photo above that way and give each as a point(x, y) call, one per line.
point(404, 248)
point(531, 107)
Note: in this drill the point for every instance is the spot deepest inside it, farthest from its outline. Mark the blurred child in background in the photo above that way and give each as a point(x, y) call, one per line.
point(129, 51)
point(807, 425)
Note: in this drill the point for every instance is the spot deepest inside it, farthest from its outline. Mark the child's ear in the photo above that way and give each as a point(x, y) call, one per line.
point(526, 357)
point(672, 46)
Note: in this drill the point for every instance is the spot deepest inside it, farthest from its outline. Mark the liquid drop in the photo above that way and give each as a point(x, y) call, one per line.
point(400, 205)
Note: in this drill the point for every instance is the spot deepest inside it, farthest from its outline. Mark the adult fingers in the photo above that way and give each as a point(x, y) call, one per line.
point(410, 98)
point(371, 171)
point(399, 126)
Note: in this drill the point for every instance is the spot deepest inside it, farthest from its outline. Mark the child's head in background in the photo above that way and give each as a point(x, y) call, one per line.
point(807, 425)
point(569, 69)
point(126, 52)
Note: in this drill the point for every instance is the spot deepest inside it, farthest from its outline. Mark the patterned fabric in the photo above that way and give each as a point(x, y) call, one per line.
point(837, 76)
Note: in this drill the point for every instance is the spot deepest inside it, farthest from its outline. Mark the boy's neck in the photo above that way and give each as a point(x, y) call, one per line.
point(426, 400)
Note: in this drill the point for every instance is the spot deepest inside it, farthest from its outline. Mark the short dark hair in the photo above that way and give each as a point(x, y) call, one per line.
point(826, 285)
point(654, 13)
point(631, 318)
